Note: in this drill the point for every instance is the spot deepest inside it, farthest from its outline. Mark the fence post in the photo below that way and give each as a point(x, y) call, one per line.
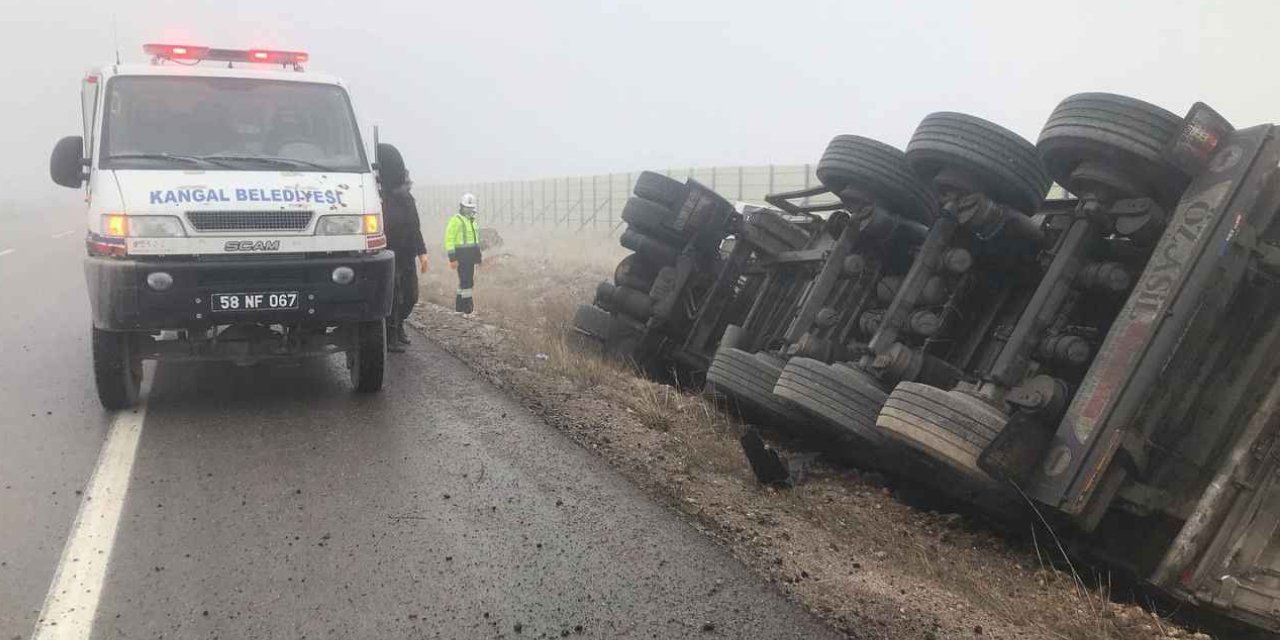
point(611, 202)
point(490, 202)
point(594, 206)
point(713, 178)
point(771, 191)
point(739, 182)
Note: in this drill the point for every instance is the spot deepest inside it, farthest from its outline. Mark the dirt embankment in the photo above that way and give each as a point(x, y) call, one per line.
point(843, 544)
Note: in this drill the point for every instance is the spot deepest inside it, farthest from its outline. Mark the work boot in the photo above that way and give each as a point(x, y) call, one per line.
point(401, 336)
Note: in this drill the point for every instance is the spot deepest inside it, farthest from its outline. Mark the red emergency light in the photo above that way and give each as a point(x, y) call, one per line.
point(175, 51)
point(261, 56)
point(278, 57)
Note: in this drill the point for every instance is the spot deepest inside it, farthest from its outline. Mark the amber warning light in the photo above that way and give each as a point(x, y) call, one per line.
point(185, 52)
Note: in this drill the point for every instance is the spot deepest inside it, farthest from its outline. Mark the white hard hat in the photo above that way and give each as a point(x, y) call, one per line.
point(468, 200)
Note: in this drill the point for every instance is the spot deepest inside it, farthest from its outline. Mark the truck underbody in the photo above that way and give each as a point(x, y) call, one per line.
point(1110, 356)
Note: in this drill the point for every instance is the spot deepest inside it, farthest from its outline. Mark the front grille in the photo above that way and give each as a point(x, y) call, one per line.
point(249, 220)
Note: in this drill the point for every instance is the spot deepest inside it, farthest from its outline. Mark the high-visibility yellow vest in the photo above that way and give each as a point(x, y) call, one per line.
point(460, 235)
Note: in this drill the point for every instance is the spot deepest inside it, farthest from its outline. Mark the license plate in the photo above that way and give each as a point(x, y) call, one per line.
point(267, 301)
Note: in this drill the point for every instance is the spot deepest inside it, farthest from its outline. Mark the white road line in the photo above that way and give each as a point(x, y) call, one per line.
point(63, 234)
point(5, 252)
point(72, 601)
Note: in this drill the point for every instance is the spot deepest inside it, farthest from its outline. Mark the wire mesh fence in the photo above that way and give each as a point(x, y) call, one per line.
point(595, 202)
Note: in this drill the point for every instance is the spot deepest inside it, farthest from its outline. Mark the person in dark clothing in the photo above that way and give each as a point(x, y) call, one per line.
point(404, 237)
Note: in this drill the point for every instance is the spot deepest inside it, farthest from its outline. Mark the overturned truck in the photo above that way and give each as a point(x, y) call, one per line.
point(1110, 357)
point(695, 270)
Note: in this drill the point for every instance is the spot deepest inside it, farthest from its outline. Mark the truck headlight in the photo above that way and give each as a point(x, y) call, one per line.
point(155, 227)
point(339, 226)
point(349, 225)
point(118, 225)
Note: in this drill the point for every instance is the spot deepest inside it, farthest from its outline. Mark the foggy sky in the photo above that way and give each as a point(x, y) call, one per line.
point(474, 90)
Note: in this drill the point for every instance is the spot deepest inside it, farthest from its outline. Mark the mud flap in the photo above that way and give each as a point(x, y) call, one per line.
point(770, 467)
point(1017, 450)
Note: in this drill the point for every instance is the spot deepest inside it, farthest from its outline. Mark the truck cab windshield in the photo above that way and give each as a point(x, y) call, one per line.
point(229, 124)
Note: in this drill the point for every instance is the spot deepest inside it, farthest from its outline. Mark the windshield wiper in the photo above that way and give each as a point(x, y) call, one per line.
point(165, 156)
point(275, 160)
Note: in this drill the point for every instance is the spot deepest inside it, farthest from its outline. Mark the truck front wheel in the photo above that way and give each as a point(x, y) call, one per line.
point(116, 368)
point(368, 356)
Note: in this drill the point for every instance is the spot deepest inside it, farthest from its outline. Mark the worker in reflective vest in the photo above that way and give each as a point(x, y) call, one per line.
point(462, 243)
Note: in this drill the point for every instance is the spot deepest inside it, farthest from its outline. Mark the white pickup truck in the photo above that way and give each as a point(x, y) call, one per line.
point(232, 214)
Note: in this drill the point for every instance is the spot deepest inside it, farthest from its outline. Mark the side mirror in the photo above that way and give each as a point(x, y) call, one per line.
point(66, 165)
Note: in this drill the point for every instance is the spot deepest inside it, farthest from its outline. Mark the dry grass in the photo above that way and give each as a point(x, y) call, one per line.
point(532, 292)
point(532, 285)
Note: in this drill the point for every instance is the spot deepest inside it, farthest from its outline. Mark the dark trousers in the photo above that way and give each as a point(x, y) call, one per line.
point(406, 289)
point(463, 302)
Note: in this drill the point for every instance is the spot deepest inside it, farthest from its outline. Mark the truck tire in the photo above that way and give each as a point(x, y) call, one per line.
point(116, 369)
point(592, 321)
point(947, 426)
point(843, 399)
point(664, 285)
point(604, 296)
point(1122, 133)
point(707, 219)
point(775, 225)
point(627, 342)
point(658, 188)
point(634, 304)
point(879, 170)
point(635, 272)
point(748, 380)
point(368, 358)
point(651, 249)
point(651, 218)
point(1004, 165)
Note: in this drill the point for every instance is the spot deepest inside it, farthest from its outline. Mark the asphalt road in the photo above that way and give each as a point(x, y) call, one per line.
point(271, 502)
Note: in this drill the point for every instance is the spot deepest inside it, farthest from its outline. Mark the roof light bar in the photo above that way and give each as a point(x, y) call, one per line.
point(175, 51)
point(260, 56)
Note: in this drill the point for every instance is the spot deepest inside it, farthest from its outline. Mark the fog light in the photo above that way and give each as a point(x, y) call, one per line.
point(344, 275)
point(159, 281)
